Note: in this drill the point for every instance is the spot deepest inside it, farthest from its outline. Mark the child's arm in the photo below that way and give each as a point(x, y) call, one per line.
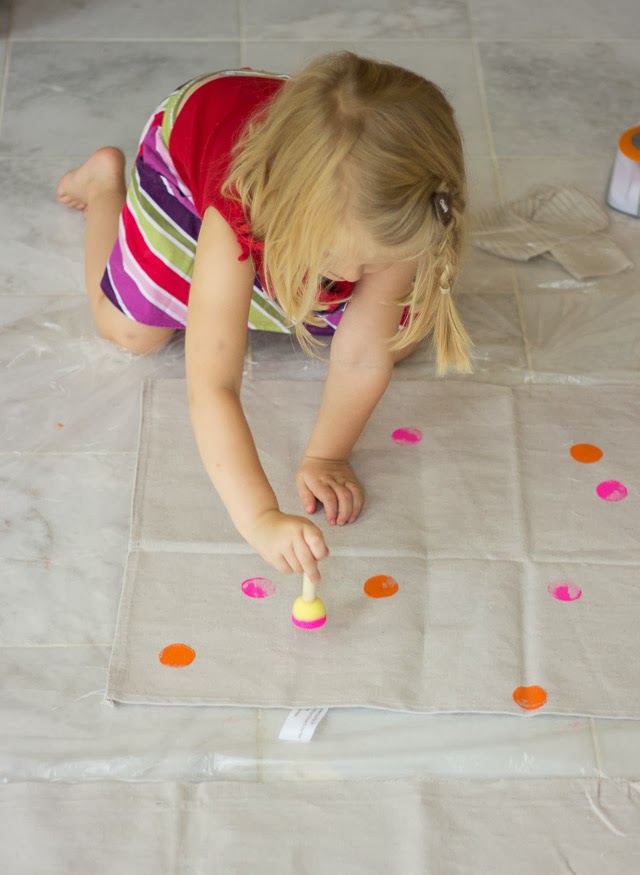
point(360, 368)
point(219, 303)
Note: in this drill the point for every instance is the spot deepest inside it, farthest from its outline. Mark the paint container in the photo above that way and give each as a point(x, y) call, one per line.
point(624, 185)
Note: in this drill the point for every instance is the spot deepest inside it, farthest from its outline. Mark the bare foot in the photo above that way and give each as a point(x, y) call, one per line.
point(104, 169)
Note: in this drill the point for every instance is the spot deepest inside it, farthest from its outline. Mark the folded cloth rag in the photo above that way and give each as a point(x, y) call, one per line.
point(561, 223)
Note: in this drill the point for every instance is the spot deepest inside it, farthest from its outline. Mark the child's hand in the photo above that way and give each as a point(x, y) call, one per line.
point(334, 484)
point(291, 544)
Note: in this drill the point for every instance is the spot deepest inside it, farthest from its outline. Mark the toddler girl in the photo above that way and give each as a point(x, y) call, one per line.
point(330, 203)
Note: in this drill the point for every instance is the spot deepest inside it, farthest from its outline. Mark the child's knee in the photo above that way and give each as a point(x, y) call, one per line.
point(139, 343)
point(129, 335)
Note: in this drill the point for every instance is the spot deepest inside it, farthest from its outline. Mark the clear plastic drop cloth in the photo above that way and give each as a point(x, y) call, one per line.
point(68, 443)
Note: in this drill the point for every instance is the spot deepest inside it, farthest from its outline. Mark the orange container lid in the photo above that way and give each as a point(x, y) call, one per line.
point(630, 143)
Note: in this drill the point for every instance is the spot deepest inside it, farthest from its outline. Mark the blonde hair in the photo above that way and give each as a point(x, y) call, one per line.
point(350, 136)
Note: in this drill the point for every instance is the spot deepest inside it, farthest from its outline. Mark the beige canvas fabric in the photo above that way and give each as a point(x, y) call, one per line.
point(452, 827)
point(476, 524)
point(560, 222)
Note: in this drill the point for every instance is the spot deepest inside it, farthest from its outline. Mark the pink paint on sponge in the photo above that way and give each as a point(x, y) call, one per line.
point(313, 624)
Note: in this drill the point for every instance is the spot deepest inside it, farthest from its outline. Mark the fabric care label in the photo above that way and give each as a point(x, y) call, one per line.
point(301, 724)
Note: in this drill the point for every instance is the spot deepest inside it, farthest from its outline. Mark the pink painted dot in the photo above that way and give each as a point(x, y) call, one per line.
point(612, 490)
point(407, 436)
point(258, 587)
point(564, 591)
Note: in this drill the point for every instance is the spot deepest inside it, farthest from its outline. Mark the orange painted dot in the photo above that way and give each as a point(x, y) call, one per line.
point(177, 655)
point(61, 425)
point(586, 453)
point(529, 698)
point(381, 586)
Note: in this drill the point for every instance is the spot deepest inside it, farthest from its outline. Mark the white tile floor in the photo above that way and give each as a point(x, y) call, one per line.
point(542, 92)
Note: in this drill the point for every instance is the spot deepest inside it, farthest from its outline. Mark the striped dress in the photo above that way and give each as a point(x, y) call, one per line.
point(182, 161)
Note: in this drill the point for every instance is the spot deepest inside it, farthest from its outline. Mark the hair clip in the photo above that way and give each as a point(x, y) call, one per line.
point(441, 201)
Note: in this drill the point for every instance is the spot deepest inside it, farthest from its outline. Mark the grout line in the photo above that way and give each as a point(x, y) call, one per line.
point(243, 32)
point(354, 38)
point(484, 103)
point(161, 40)
point(53, 646)
point(349, 38)
point(597, 751)
point(521, 317)
point(248, 357)
point(525, 156)
point(7, 62)
point(20, 454)
point(259, 746)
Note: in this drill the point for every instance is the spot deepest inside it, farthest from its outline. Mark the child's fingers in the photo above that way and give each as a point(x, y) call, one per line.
point(304, 561)
point(318, 547)
point(345, 503)
point(327, 495)
point(307, 498)
point(280, 563)
point(357, 496)
point(293, 561)
point(310, 568)
point(314, 541)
